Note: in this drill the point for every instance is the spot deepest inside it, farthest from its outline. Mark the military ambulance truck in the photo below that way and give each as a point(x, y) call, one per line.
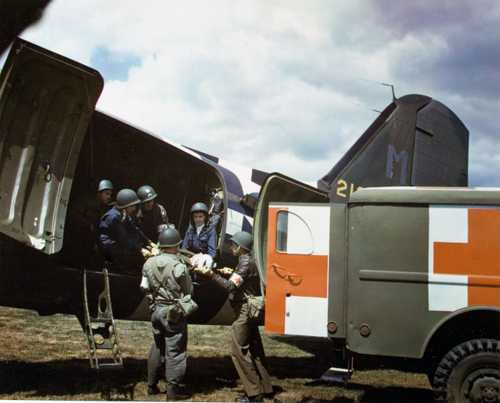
point(399, 274)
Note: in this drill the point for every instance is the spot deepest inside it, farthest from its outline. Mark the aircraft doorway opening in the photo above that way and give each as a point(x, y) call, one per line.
point(131, 158)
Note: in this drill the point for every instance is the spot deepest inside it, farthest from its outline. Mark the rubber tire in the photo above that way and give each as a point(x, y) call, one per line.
point(459, 362)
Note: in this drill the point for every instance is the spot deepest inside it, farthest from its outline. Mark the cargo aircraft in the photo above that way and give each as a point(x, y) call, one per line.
point(55, 146)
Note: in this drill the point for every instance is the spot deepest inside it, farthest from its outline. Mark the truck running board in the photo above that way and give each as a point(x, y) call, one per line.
point(101, 331)
point(339, 374)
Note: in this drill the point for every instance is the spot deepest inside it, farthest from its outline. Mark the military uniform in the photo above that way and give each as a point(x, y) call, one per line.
point(205, 242)
point(153, 221)
point(120, 240)
point(92, 213)
point(167, 279)
point(83, 222)
point(86, 217)
point(247, 351)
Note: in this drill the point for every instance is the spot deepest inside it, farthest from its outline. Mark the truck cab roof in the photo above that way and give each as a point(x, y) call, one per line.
point(426, 195)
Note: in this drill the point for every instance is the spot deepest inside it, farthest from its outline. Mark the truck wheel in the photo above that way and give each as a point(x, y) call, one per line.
point(469, 373)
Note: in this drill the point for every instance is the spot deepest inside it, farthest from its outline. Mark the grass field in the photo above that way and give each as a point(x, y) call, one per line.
point(46, 358)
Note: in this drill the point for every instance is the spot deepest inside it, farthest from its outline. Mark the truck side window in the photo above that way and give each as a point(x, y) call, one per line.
point(281, 231)
point(293, 235)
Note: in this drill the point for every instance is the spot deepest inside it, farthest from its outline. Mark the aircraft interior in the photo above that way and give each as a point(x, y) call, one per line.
point(131, 158)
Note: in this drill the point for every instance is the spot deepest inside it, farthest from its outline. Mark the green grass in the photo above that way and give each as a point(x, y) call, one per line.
point(46, 358)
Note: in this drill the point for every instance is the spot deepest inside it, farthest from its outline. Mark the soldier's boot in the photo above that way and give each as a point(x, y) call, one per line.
point(153, 390)
point(246, 398)
point(176, 393)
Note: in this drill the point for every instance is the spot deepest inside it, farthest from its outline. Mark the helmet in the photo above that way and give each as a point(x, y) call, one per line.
point(126, 198)
point(169, 238)
point(146, 193)
point(105, 184)
point(243, 239)
point(199, 208)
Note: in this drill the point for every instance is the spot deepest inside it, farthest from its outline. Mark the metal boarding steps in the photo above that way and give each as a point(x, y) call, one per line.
point(101, 331)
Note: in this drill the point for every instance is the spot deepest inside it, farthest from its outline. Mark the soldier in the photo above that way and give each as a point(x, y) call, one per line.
point(83, 221)
point(91, 209)
point(166, 280)
point(105, 195)
point(120, 240)
point(152, 216)
point(247, 351)
point(200, 236)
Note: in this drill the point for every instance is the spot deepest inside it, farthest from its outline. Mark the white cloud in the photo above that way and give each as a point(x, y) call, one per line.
point(279, 85)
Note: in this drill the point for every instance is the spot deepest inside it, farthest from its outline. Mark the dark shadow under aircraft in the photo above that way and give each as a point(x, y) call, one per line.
point(54, 147)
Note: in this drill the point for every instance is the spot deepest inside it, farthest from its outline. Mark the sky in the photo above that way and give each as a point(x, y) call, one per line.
point(285, 85)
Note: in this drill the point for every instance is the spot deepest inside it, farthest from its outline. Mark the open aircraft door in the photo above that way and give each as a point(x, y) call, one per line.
point(46, 102)
point(292, 241)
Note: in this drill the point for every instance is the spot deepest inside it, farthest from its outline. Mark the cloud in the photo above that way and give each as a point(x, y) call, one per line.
point(460, 52)
point(115, 64)
point(283, 85)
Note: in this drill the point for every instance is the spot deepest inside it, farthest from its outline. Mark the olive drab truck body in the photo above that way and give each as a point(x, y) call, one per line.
point(411, 273)
point(410, 260)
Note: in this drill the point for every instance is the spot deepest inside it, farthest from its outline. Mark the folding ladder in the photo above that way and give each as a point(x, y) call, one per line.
point(101, 330)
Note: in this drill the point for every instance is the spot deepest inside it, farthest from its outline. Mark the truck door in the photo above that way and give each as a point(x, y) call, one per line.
point(46, 102)
point(297, 269)
point(291, 244)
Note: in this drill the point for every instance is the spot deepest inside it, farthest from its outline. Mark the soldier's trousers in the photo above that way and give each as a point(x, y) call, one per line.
point(168, 351)
point(247, 353)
